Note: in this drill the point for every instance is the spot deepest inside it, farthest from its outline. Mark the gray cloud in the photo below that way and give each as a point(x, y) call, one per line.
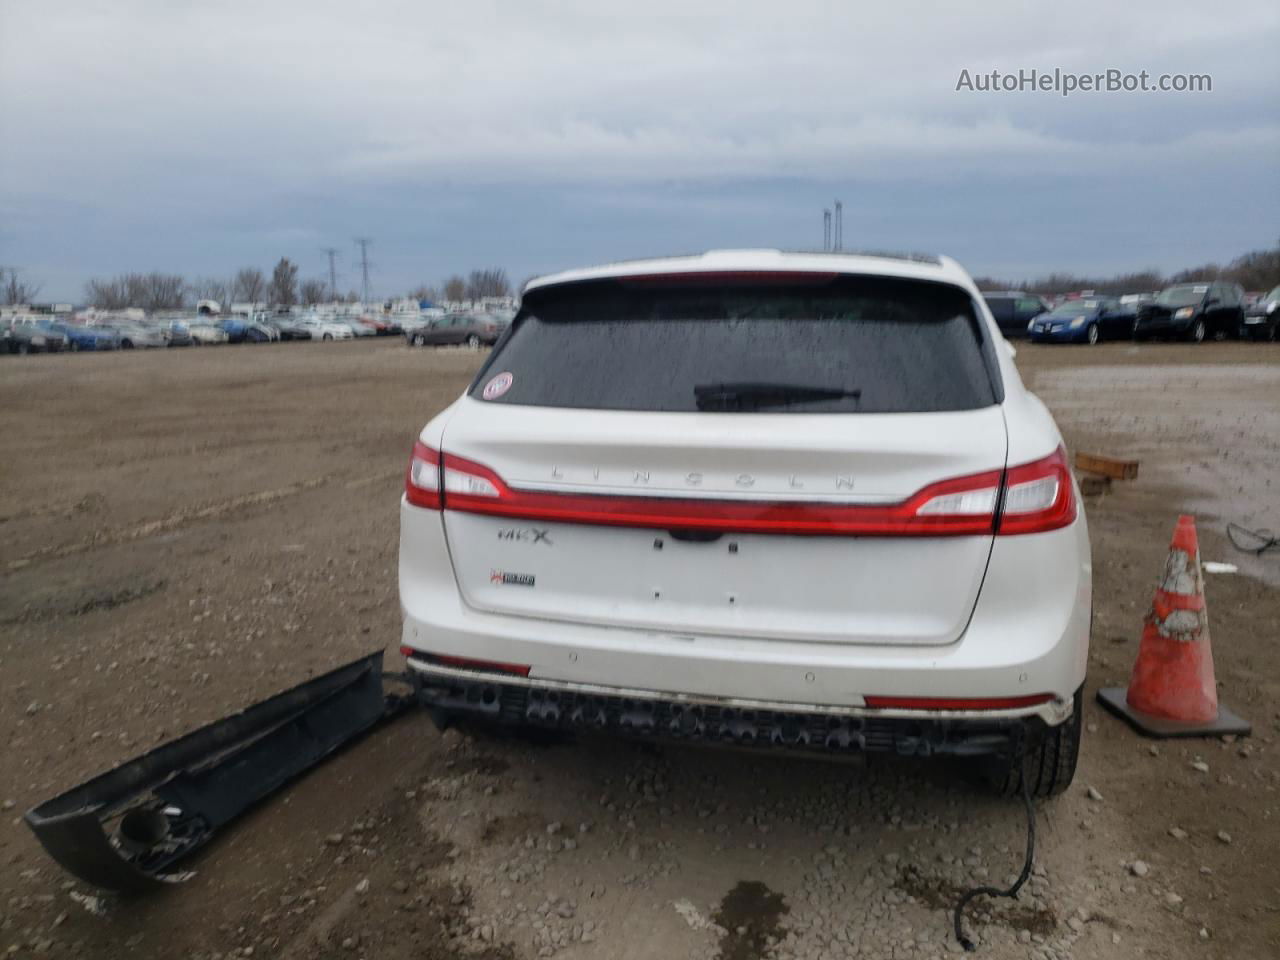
point(145, 113)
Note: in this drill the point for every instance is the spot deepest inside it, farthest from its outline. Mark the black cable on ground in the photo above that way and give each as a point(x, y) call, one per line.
point(1256, 542)
point(968, 895)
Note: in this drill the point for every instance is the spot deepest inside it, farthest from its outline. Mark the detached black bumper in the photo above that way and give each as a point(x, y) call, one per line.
point(494, 699)
point(129, 828)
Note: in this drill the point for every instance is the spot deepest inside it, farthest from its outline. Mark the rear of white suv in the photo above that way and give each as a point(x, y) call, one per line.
point(790, 500)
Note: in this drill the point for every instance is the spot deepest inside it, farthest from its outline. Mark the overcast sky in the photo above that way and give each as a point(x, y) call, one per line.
point(198, 137)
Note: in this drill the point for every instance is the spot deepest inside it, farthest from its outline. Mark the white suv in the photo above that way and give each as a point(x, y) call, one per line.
point(791, 500)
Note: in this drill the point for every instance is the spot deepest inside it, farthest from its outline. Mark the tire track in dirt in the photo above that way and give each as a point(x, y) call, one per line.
point(167, 524)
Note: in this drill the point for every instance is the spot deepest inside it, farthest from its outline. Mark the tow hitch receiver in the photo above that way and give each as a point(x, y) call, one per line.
point(126, 830)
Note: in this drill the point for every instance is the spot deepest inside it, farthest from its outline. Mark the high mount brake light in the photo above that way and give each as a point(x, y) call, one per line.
point(731, 278)
point(1029, 498)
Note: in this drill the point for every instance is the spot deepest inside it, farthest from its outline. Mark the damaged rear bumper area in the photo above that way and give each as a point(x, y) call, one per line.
point(128, 829)
point(520, 701)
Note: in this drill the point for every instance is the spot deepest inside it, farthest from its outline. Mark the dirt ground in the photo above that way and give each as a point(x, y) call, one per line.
point(181, 535)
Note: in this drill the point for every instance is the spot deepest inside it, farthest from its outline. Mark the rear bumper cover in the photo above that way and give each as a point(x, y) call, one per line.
point(1028, 635)
point(502, 699)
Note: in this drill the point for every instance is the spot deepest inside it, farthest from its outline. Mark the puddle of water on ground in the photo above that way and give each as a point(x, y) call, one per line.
point(750, 914)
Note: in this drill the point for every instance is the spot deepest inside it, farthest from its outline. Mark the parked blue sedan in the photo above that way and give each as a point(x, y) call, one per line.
point(88, 338)
point(1087, 320)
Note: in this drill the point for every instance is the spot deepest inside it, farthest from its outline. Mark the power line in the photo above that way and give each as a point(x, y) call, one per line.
point(333, 273)
point(363, 244)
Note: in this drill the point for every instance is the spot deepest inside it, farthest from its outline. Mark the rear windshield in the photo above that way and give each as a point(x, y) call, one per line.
point(802, 344)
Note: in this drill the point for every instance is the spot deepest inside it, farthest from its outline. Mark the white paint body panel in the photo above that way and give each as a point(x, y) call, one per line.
point(1029, 634)
point(810, 620)
point(835, 589)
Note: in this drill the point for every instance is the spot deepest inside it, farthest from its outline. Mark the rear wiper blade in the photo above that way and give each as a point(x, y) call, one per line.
point(751, 394)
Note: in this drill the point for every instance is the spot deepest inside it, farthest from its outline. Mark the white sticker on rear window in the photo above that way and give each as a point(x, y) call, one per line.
point(498, 386)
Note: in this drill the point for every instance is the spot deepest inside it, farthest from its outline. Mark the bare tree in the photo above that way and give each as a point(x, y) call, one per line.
point(284, 283)
point(150, 291)
point(1208, 271)
point(455, 288)
point(210, 288)
point(249, 286)
point(424, 292)
point(107, 294)
point(163, 291)
point(14, 289)
point(313, 291)
point(488, 283)
point(1256, 270)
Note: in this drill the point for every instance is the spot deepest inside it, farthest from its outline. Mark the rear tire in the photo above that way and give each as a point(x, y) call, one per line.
point(126, 344)
point(1051, 756)
point(328, 336)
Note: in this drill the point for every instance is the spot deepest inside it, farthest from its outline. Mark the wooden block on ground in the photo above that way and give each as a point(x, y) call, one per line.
point(1107, 466)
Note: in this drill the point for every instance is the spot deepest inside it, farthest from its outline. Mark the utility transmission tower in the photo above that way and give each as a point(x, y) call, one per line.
point(826, 230)
point(363, 244)
point(333, 272)
point(838, 237)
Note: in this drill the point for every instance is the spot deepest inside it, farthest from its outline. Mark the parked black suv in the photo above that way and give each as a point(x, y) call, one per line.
point(1193, 311)
point(1013, 310)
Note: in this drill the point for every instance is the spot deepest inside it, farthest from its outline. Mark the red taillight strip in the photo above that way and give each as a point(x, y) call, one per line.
point(924, 514)
point(957, 703)
point(741, 516)
point(1059, 514)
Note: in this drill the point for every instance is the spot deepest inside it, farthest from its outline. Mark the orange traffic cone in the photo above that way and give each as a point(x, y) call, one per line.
point(1172, 692)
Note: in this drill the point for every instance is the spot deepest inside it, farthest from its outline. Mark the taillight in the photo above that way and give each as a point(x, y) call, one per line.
point(465, 480)
point(1029, 498)
point(422, 479)
point(1038, 496)
point(960, 505)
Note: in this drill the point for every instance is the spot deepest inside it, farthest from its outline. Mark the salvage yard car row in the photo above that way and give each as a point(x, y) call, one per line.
point(1212, 310)
point(44, 333)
